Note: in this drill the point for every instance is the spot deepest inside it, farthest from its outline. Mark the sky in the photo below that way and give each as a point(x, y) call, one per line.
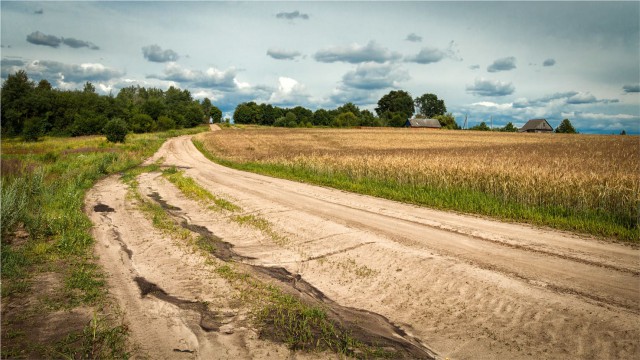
point(507, 61)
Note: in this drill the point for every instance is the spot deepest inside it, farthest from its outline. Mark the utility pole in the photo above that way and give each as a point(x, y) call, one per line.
point(465, 122)
point(491, 122)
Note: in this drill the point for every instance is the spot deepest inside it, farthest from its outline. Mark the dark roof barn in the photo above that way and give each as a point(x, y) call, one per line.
point(423, 123)
point(537, 126)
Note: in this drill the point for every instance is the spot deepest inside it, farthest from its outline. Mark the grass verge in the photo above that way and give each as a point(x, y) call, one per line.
point(46, 236)
point(590, 222)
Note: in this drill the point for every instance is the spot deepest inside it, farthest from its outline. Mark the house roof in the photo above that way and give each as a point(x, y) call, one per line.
point(536, 124)
point(430, 123)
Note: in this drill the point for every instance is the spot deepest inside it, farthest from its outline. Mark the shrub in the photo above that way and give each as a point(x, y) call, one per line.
point(115, 130)
point(32, 129)
point(166, 123)
point(141, 123)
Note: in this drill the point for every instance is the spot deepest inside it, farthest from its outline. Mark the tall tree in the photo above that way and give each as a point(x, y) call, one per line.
point(216, 114)
point(447, 121)
point(15, 93)
point(565, 127)
point(396, 102)
point(430, 106)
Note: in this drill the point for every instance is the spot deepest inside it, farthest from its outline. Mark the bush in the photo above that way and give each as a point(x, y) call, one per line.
point(166, 123)
point(116, 130)
point(141, 123)
point(32, 129)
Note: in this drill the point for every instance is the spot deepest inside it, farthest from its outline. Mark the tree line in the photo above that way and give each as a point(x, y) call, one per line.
point(394, 109)
point(32, 110)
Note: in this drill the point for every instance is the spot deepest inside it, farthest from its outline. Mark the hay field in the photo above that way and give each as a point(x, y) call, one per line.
point(587, 183)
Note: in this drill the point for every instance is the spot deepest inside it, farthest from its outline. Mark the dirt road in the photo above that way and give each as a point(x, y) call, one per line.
point(466, 287)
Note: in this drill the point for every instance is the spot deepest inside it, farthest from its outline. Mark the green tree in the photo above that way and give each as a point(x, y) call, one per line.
point(447, 121)
point(396, 101)
point(33, 129)
point(15, 109)
point(291, 120)
point(397, 120)
point(115, 130)
point(481, 127)
point(243, 114)
point(321, 117)
point(430, 106)
point(623, 132)
point(345, 119)
point(165, 123)
point(206, 108)
point(565, 127)
point(216, 114)
point(509, 128)
point(193, 115)
point(141, 123)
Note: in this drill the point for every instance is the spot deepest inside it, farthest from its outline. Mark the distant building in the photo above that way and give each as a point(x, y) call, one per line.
point(423, 123)
point(537, 126)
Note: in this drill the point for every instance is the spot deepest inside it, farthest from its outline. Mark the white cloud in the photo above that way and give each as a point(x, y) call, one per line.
point(486, 87)
point(289, 92)
point(355, 53)
point(370, 76)
point(504, 64)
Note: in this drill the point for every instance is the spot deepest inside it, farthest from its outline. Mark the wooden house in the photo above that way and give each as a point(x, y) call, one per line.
point(423, 123)
point(537, 126)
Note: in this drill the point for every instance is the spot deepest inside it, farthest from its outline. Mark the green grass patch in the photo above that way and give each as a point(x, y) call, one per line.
point(592, 222)
point(193, 191)
point(43, 226)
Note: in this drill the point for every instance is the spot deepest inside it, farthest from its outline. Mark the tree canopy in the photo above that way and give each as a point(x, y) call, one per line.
point(565, 127)
point(430, 106)
point(396, 102)
point(32, 111)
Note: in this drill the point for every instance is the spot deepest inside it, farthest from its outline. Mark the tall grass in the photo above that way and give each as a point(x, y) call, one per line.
point(43, 189)
point(589, 184)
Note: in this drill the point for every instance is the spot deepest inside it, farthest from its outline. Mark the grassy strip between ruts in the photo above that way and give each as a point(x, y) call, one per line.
point(193, 191)
point(591, 222)
point(47, 262)
point(280, 316)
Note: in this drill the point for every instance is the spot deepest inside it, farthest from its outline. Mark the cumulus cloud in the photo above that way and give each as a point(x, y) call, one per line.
point(61, 72)
point(503, 64)
point(430, 55)
point(549, 62)
point(413, 38)
point(38, 38)
point(427, 56)
point(292, 15)
point(486, 87)
point(75, 43)
point(370, 76)
point(631, 88)
point(281, 54)
point(39, 12)
point(588, 98)
point(355, 53)
point(289, 92)
point(210, 78)
point(563, 98)
point(10, 66)
point(474, 67)
point(155, 53)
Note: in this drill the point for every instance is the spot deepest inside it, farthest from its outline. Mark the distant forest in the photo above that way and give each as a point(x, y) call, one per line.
point(40, 108)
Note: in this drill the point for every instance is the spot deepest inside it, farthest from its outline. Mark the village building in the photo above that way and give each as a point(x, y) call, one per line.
point(423, 123)
point(537, 126)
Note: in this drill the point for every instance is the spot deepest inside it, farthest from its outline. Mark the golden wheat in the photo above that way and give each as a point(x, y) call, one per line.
point(591, 172)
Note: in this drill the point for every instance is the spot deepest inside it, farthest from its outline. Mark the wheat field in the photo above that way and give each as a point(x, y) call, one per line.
point(564, 174)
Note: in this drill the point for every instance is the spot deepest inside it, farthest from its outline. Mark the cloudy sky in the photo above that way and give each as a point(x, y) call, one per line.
point(510, 61)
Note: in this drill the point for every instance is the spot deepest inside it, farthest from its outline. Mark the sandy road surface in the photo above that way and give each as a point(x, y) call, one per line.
point(466, 287)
